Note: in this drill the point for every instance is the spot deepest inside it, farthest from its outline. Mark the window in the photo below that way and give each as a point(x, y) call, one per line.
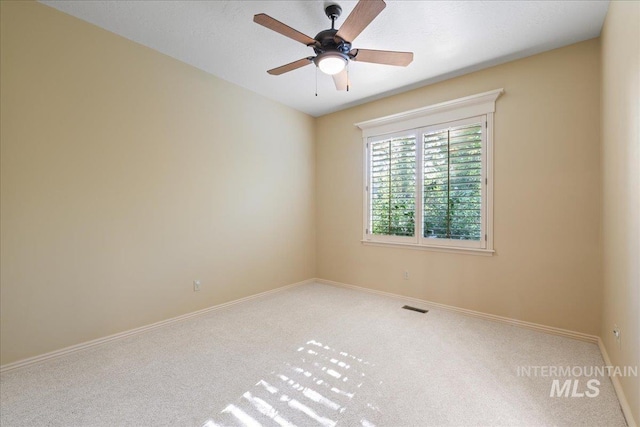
point(428, 177)
point(393, 185)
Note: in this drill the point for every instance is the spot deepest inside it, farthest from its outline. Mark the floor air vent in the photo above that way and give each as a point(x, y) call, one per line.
point(419, 310)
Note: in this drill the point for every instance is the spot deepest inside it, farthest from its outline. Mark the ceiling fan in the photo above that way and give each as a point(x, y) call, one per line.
point(333, 47)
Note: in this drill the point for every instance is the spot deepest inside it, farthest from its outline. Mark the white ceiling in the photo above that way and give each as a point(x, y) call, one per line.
point(448, 38)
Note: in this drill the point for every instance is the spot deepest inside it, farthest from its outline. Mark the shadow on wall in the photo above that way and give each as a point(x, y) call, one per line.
point(320, 386)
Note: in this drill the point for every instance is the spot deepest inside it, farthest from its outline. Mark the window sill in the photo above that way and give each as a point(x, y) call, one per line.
point(446, 249)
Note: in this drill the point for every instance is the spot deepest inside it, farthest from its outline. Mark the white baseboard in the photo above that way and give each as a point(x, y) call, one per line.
point(82, 346)
point(521, 323)
point(624, 403)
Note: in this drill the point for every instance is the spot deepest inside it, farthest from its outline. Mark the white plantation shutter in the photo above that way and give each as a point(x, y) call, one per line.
point(393, 186)
point(452, 188)
point(428, 176)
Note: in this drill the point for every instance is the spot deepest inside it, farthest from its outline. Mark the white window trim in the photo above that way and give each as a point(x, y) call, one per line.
point(482, 104)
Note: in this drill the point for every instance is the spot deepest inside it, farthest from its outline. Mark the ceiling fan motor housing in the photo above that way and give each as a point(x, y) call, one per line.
point(327, 41)
point(330, 45)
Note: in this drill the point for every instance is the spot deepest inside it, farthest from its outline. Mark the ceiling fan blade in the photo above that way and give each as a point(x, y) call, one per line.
point(341, 80)
point(290, 67)
point(361, 16)
point(388, 57)
point(277, 26)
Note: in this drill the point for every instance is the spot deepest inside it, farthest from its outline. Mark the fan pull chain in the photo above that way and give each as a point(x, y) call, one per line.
point(347, 76)
point(316, 80)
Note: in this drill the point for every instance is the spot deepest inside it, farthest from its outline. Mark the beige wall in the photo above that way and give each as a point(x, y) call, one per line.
point(621, 189)
point(122, 180)
point(547, 197)
point(126, 175)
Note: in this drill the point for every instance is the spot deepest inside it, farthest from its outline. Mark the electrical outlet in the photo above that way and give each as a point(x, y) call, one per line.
point(405, 275)
point(196, 285)
point(617, 334)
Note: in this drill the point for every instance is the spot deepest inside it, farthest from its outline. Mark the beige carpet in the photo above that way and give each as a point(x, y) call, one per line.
point(313, 355)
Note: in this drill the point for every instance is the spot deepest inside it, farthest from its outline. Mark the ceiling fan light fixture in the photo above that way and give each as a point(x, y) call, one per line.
point(331, 62)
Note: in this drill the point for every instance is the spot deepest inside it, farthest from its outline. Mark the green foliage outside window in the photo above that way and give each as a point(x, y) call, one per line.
point(393, 187)
point(452, 160)
point(453, 183)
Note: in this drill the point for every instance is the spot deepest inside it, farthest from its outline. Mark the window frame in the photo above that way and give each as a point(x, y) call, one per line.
point(470, 109)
